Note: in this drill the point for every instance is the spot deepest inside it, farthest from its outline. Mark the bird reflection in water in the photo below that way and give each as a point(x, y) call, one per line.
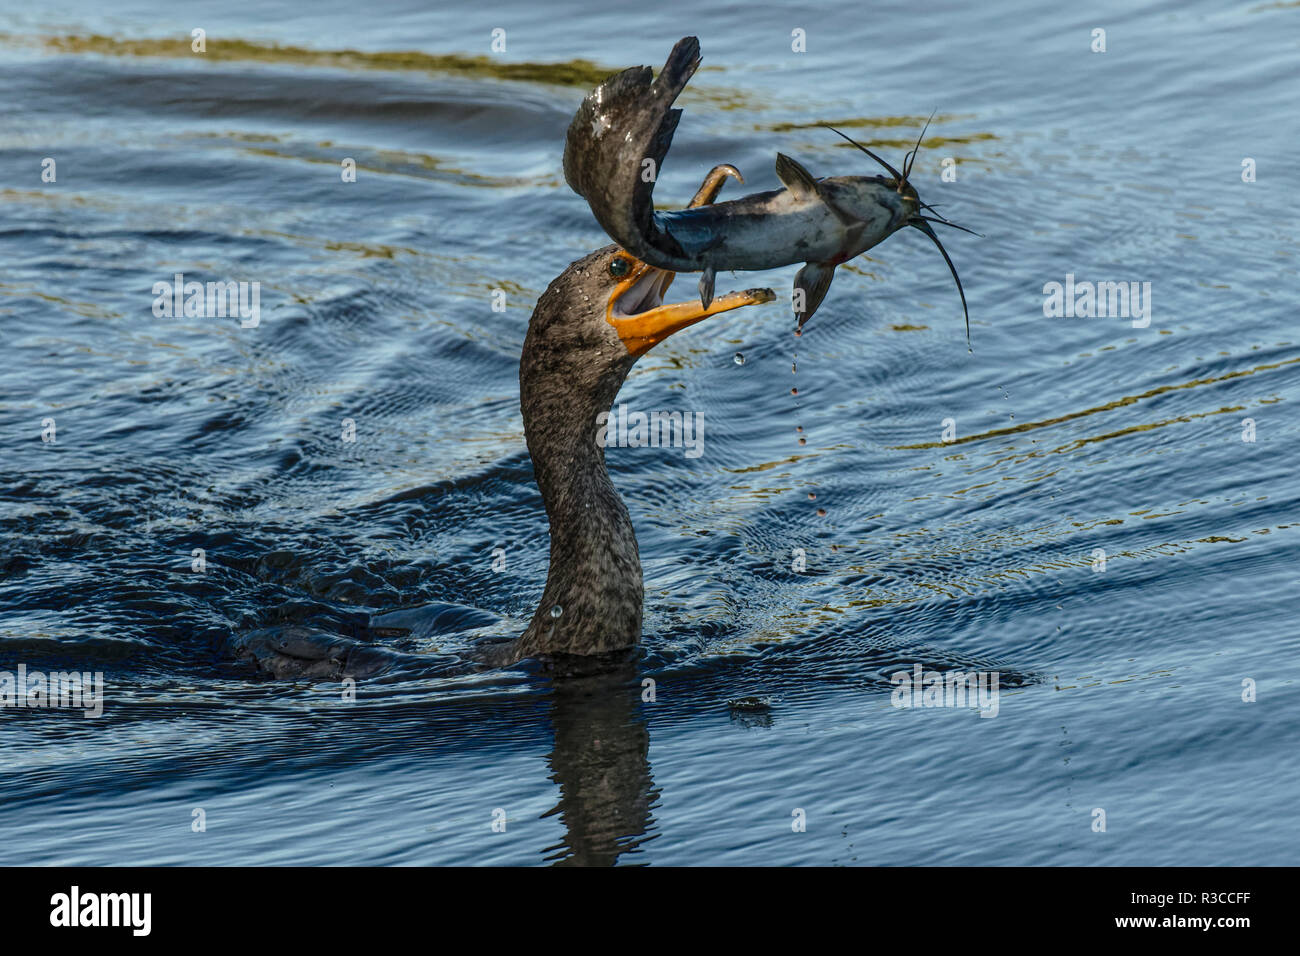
point(600, 761)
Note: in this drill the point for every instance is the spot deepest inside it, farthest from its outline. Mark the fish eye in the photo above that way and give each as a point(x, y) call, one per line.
point(619, 267)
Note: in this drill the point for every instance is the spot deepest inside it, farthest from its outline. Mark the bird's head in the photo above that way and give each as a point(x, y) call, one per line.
point(602, 314)
point(608, 309)
point(635, 308)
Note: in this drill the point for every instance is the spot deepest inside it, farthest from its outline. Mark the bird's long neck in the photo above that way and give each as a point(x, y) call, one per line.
point(595, 573)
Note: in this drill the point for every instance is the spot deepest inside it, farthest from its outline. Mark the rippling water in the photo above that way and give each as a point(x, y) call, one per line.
point(1075, 439)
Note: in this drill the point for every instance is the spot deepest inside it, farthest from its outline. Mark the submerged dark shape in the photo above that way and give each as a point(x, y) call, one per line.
point(616, 145)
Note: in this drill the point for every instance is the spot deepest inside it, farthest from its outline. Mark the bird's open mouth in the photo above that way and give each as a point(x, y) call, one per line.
point(638, 313)
point(644, 294)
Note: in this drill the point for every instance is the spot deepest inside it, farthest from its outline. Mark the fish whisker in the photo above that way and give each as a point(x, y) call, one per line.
point(926, 228)
point(911, 157)
point(933, 208)
point(945, 222)
point(898, 177)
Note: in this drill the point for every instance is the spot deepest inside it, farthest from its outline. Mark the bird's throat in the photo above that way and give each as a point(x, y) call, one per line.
point(592, 600)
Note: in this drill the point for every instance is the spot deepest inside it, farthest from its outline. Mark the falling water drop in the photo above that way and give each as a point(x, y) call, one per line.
point(556, 611)
point(794, 370)
point(740, 359)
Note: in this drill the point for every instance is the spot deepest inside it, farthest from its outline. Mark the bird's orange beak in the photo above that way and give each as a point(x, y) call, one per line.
point(638, 313)
point(636, 308)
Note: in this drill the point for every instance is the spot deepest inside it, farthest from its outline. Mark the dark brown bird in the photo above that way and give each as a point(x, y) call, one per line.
point(589, 328)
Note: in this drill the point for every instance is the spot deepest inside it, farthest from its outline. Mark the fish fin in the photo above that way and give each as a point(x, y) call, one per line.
point(682, 63)
point(814, 279)
point(795, 178)
point(624, 122)
point(706, 286)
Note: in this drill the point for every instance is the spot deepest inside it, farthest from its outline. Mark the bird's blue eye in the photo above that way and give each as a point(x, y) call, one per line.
point(619, 267)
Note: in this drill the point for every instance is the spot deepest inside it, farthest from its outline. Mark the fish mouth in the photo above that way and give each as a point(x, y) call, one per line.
point(642, 319)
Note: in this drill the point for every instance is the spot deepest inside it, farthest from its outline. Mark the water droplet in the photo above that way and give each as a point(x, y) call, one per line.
point(798, 333)
point(803, 441)
point(798, 428)
point(740, 359)
point(821, 512)
point(793, 368)
point(557, 611)
point(794, 391)
point(812, 496)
